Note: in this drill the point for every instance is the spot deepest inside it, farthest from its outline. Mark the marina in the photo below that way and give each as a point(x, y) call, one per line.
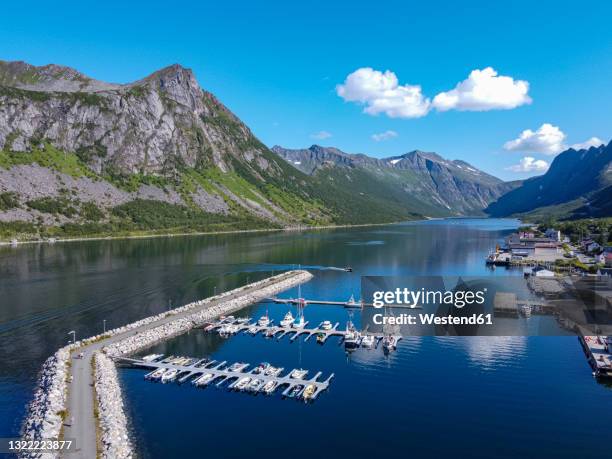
point(259, 379)
point(171, 420)
point(322, 332)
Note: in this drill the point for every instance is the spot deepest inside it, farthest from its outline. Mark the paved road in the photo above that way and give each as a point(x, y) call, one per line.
point(80, 424)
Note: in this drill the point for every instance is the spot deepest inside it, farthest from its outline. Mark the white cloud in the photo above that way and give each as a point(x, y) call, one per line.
point(484, 90)
point(529, 164)
point(592, 142)
point(381, 93)
point(547, 139)
point(382, 136)
point(321, 135)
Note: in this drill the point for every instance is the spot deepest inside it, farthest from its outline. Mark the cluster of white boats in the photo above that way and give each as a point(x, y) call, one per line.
point(353, 338)
point(265, 378)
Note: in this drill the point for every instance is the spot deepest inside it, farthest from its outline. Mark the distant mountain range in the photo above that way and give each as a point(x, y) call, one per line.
point(422, 182)
point(578, 184)
point(80, 156)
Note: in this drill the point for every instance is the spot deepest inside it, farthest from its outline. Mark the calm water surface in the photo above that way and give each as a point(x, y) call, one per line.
point(470, 397)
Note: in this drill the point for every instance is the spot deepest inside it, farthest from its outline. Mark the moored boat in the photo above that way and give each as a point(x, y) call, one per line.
point(389, 343)
point(269, 387)
point(264, 321)
point(309, 391)
point(169, 375)
point(368, 341)
point(298, 373)
point(204, 379)
point(287, 320)
point(242, 383)
point(326, 325)
point(255, 385)
point(352, 337)
point(155, 375)
point(238, 366)
point(296, 391)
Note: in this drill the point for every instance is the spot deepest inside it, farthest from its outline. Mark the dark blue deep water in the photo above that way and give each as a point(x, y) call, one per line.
point(464, 397)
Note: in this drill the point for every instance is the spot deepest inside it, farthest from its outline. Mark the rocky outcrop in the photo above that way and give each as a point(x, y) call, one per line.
point(149, 126)
point(101, 141)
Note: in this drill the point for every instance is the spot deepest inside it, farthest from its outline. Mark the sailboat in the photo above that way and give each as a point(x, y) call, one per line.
point(352, 337)
point(287, 320)
point(264, 321)
point(299, 322)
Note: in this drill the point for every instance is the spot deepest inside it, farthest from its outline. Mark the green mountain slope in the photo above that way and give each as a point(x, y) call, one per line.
point(418, 182)
point(84, 157)
point(575, 186)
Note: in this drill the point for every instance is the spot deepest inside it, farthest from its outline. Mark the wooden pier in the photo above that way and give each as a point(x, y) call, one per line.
point(222, 375)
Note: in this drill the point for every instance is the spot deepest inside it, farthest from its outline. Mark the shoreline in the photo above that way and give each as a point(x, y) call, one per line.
point(199, 233)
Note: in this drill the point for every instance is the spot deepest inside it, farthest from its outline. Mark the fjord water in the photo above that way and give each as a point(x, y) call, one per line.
point(476, 397)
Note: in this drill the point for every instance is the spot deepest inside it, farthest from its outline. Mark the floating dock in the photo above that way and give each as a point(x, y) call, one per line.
point(279, 332)
point(597, 350)
point(221, 375)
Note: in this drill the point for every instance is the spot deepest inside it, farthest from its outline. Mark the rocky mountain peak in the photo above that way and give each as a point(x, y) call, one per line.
point(176, 82)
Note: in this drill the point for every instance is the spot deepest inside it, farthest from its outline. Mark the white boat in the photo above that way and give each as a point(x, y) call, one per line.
point(326, 325)
point(255, 385)
point(389, 343)
point(269, 387)
point(204, 379)
point(242, 383)
point(261, 368)
point(299, 322)
point(287, 320)
point(155, 375)
point(243, 320)
point(169, 375)
point(298, 373)
point(264, 321)
point(272, 371)
point(351, 337)
point(238, 366)
point(151, 357)
point(228, 329)
point(253, 330)
point(368, 341)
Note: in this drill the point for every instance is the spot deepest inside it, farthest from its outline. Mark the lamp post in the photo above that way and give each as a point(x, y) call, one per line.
point(73, 336)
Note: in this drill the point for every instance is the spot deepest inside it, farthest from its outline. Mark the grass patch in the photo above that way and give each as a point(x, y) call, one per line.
point(49, 205)
point(8, 200)
point(46, 155)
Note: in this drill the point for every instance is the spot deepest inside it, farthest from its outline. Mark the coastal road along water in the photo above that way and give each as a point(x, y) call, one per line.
point(80, 424)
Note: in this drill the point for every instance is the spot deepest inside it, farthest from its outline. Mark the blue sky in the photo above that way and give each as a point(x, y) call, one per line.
point(277, 66)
